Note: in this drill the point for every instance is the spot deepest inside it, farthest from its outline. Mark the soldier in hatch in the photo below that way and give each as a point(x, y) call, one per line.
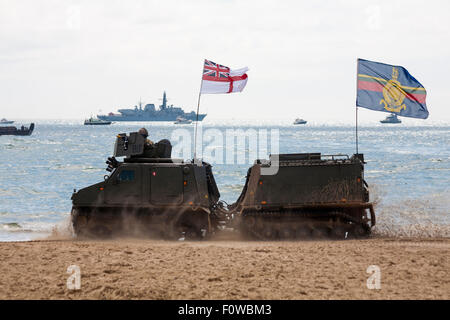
point(162, 149)
point(149, 144)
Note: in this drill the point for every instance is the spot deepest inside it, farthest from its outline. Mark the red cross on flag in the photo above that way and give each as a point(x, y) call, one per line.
point(221, 79)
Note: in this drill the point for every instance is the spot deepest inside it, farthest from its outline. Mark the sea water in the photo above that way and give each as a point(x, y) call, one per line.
point(408, 169)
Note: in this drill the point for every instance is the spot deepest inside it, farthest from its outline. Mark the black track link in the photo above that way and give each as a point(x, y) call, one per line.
point(271, 217)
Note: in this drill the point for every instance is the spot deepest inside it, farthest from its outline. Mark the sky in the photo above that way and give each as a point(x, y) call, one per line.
point(70, 59)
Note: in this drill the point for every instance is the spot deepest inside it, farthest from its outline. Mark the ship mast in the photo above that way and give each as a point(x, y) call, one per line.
point(163, 106)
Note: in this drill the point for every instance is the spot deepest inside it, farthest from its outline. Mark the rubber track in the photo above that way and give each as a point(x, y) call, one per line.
point(301, 215)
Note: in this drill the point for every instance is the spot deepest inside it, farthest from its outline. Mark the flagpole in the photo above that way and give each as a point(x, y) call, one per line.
point(356, 107)
point(356, 127)
point(196, 121)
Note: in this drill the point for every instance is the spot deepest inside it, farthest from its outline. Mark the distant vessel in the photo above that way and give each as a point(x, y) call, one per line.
point(95, 122)
point(392, 118)
point(181, 120)
point(4, 121)
point(149, 113)
point(13, 131)
point(300, 121)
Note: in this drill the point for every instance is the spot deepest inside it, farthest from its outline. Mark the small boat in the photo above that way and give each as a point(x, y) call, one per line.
point(13, 131)
point(181, 120)
point(95, 122)
point(392, 118)
point(300, 121)
point(4, 121)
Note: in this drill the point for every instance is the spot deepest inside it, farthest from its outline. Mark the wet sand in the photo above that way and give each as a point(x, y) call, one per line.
point(226, 269)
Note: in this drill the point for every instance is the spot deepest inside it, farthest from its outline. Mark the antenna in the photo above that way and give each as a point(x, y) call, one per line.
point(164, 101)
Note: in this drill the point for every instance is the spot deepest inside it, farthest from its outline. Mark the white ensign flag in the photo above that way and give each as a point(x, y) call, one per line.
point(221, 79)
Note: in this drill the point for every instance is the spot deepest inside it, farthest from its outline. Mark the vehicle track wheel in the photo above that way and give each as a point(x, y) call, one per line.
point(287, 233)
point(249, 222)
point(303, 232)
point(360, 232)
point(269, 233)
point(101, 232)
point(338, 232)
point(319, 233)
point(192, 234)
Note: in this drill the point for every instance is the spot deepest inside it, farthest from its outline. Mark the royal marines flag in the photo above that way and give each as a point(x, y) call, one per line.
point(220, 79)
point(383, 87)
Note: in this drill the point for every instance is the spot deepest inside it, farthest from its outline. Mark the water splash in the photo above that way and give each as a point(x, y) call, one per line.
point(427, 217)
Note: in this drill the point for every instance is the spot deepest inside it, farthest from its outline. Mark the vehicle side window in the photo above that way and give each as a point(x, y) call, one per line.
point(125, 175)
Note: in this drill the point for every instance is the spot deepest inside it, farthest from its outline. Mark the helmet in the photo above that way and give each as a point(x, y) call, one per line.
point(144, 132)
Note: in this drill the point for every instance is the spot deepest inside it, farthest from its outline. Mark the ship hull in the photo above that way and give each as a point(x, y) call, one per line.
point(97, 123)
point(151, 118)
point(13, 131)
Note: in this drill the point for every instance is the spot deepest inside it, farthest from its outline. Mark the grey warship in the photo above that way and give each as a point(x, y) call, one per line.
point(150, 113)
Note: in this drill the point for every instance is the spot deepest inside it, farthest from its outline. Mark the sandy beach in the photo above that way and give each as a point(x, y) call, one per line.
point(226, 269)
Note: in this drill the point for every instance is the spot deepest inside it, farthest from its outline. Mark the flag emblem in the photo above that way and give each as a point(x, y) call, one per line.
point(388, 88)
point(215, 72)
point(393, 94)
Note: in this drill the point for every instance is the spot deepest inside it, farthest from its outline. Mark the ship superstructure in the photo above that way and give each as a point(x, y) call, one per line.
point(150, 113)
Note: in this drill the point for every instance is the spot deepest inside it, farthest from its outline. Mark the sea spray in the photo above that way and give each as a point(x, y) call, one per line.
point(427, 217)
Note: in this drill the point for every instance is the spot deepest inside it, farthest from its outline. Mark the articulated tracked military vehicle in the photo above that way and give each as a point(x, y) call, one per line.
point(310, 195)
point(288, 196)
point(147, 193)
